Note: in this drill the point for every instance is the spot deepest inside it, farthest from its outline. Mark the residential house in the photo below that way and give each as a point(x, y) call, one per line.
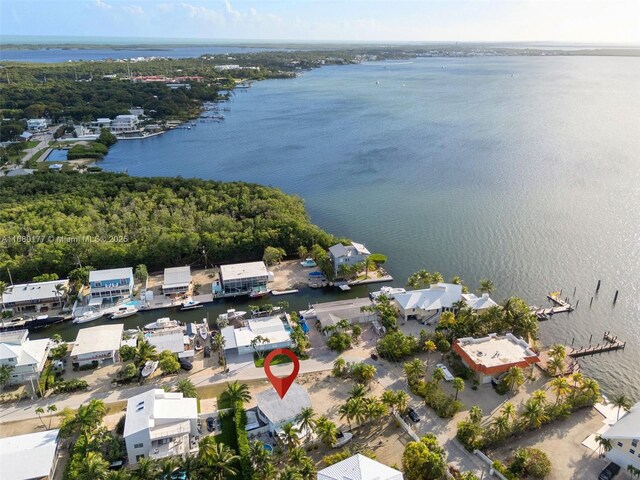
point(137, 111)
point(101, 123)
point(124, 124)
point(114, 284)
point(36, 124)
point(276, 411)
point(238, 340)
point(347, 255)
point(27, 357)
point(35, 297)
point(330, 313)
point(172, 339)
point(176, 280)
point(25, 136)
point(492, 355)
point(624, 436)
point(478, 303)
point(99, 344)
point(243, 278)
point(33, 456)
point(160, 424)
point(426, 304)
point(359, 467)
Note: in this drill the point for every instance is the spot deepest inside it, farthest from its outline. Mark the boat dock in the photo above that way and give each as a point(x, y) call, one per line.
point(611, 343)
point(560, 306)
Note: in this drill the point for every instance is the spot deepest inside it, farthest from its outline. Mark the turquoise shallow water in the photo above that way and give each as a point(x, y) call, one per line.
point(525, 170)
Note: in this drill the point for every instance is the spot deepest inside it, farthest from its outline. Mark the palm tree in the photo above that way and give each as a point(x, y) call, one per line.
point(256, 342)
point(167, 467)
point(560, 387)
point(327, 431)
point(144, 352)
point(414, 370)
point(338, 367)
point(475, 414)
point(40, 411)
point(508, 410)
point(50, 410)
point(190, 465)
point(92, 467)
point(60, 290)
point(590, 386)
point(148, 469)
point(577, 379)
point(187, 388)
point(621, 401)
point(297, 456)
point(120, 475)
point(217, 459)
point(458, 386)
point(539, 396)
point(236, 392)
point(218, 343)
point(604, 443)
point(357, 391)
point(514, 378)
point(307, 421)
point(402, 401)
point(438, 375)
point(358, 409)
point(289, 435)
point(501, 426)
point(558, 350)
point(429, 347)
point(291, 473)
point(3, 290)
point(534, 415)
point(486, 286)
point(260, 458)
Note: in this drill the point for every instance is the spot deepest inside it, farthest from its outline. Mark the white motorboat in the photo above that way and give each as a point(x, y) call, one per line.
point(342, 438)
point(88, 316)
point(124, 312)
point(231, 315)
point(149, 368)
point(203, 330)
point(161, 323)
point(389, 292)
point(190, 305)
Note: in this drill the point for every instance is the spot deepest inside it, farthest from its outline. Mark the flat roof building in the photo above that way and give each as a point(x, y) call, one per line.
point(35, 296)
point(491, 355)
point(29, 457)
point(243, 278)
point(272, 328)
point(97, 344)
point(176, 280)
point(172, 339)
point(114, 283)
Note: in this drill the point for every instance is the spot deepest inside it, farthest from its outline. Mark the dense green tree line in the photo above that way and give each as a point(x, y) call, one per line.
point(51, 223)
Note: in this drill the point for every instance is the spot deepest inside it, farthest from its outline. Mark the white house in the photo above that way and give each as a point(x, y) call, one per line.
point(624, 436)
point(347, 255)
point(172, 339)
point(243, 278)
point(359, 467)
point(238, 340)
point(428, 302)
point(27, 357)
point(160, 424)
point(115, 283)
point(125, 124)
point(276, 411)
point(100, 344)
point(29, 457)
point(101, 123)
point(36, 124)
point(35, 296)
point(330, 313)
point(176, 280)
point(478, 303)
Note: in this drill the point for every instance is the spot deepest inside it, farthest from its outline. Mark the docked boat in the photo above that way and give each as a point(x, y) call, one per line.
point(231, 315)
point(88, 316)
point(259, 292)
point(342, 438)
point(124, 312)
point(389, 292)
point(161, 323)
point(190, 305)
point(203, 330)
point(309, 263)
point(149, 368)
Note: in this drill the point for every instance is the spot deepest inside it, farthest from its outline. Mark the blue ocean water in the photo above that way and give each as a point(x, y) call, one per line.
point(525, 170)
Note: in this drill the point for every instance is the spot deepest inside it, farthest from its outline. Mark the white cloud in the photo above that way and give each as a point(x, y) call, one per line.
point(102, 5)
point(202, 13)
point(134, 9)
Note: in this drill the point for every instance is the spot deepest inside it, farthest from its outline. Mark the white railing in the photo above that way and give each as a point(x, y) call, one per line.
point(489, 462)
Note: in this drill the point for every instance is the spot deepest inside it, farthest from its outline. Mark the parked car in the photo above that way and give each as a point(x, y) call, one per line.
point(447, 374)
point(609, 472)
point(185, 364)
point(413, 415)
point(211, 424)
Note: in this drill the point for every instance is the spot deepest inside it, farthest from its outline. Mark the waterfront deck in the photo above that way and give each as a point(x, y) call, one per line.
point(560, 306)
point(610, 343)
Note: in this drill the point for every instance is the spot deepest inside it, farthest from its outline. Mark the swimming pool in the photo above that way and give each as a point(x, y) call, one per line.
point(268, 447)
point(57, 155)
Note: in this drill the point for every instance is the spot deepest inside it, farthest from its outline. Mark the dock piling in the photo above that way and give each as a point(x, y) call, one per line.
point(591, 302)
point(615, 298)
point(574, 291)
point(577, 302)
point(598, 287)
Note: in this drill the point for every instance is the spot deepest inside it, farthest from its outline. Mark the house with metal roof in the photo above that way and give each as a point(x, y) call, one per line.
point(176, 280)
point(478, 303)
point(238, 340)
point(35, 296)
point(624, 436)
point(276, 411)
point(29, 457)
point(427, 303)
point(359, 467)
point(347, 255)
point(27, 357)
point(160, 424)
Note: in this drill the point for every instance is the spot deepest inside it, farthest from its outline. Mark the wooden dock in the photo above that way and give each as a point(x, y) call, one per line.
point(610, 343)
point(560, 306)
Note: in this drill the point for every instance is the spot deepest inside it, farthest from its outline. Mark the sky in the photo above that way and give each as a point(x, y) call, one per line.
point(567, 21)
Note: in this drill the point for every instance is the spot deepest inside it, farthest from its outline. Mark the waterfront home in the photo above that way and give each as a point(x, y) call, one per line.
point(35, 297)
point(176, 280)
point(25, 136)
point(113, 284)
point(36, 124)
point(243, 278)
point(273, 329)
point(478, 303)
point(172, 339)
point(330, 313)
point(160, 424)
point(426, 304)
point(27, 357)
point(124, 124)
point(99, 344)
point(359, 467)
point(30, 457)
point(275, 411)
point(492, 355)
point(101, 123)
point(347, 255)
point(624, 436)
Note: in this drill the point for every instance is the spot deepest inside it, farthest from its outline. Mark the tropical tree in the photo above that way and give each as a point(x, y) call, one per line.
point(363, 372)
point(339, 366)
point(168, 362)
point(501, 426)
point(508, 410)
point(306, 421)
point(397, 401)
point(186, 388)
point(144, 352)
point(514, 379)
point(424, 460)
point(290, 436)
point(558, 350)
point(148, 469)
point(5, 374)
point(555, 366)
point(437, 375)
point(534, 414)
point(429, 347)
point(357, 391)
point(560, 387)
point(621, 401)
point(50, 410)
point(260, 458)
point(85, 421)
point(92, 467)
point(603, 443)
point(168, 466)
point(327, 431)
point(486, 286)
point(141, 273)
point(475, 414)
point(458, 386)
point(190, 465)
point(217, 459)
point(273, 255)
point(540, 396)
point(256, 342)
point(237, 392)
point(414, 370)
point(218, 343)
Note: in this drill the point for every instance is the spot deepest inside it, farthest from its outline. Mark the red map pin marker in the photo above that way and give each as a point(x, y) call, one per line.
point(281, 385)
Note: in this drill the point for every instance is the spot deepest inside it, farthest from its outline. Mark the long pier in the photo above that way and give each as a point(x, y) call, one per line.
point(560, 306)
point(611, 343)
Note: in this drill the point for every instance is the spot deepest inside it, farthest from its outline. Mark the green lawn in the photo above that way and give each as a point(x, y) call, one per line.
point(228, 434)
point(30, 144)
point(278, 360)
